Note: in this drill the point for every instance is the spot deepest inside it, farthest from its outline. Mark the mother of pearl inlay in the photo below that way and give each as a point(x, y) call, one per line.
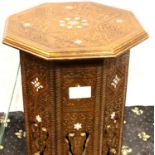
point(75, 22)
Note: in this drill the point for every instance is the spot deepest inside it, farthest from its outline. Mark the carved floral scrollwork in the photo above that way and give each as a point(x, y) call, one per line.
point(79, 136)
point(40, 136)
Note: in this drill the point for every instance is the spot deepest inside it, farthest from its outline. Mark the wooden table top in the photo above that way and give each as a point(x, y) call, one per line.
point(58, 31)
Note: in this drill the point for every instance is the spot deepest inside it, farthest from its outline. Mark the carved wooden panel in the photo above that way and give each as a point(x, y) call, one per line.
point(83, 112)
point(59, 125)
point(38, 100)
point(116, 84)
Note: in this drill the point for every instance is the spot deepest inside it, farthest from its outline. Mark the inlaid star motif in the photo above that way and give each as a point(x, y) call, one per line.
point(77, 126)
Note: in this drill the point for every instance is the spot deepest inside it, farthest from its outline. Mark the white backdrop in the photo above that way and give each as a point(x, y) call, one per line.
point(141, 83)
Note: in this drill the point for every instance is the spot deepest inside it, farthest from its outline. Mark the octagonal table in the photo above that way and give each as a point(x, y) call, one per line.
point(74, 64)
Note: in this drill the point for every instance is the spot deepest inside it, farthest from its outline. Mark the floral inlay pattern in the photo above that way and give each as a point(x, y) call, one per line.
point(37, 85)
point(126, 150)
point(75, 22)
point(115, 81)
point(137, 111)
point(77, 126)
point(40, 142)
point(143, 136)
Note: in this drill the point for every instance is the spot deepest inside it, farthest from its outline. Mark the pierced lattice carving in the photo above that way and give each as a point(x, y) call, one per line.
point(77, 142)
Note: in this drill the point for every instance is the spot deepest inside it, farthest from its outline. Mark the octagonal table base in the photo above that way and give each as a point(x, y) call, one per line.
point(60, 124)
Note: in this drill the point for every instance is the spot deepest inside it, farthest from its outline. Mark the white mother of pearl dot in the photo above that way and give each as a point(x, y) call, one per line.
point(79, 27)
point(27, 24)
point(85, 24)
point(61, 21)
point(68, 18)
point(78, 41)
point(62, 25)
point(84, 20)
point(69, 26)
point(69, 7)
point(119, 20)
point(77, 18)
point(73, 22)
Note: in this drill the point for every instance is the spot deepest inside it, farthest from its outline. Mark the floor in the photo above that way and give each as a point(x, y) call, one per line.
point(138, 133)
